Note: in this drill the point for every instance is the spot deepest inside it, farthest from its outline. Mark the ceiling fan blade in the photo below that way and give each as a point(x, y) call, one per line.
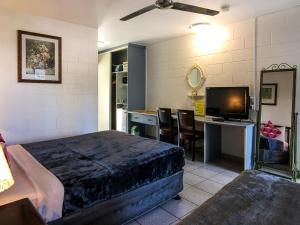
point(139, 12)
point(194, 9)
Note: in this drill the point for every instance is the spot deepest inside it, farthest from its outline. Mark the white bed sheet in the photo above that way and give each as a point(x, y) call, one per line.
point(35, 182)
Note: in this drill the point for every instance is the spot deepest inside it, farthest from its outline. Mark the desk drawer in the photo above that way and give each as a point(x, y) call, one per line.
point(144, 119)
point(150, 120)
point(135, 117)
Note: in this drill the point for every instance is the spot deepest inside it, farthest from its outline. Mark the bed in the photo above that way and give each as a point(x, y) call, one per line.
point(108, 177)
point(252, 198)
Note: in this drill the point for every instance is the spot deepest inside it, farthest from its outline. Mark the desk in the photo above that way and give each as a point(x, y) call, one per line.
point(235, 135)
point(219, 136)
point(143, 117)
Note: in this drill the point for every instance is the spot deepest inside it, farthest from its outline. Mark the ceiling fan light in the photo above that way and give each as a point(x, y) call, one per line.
point(198, 27)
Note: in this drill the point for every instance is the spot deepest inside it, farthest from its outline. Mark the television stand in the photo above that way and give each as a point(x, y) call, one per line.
point(228, 137)
point(218, 119)
point(234, 120)
point(221, 119)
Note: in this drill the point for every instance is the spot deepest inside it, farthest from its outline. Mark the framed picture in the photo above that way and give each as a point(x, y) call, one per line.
point(39, 58)
point(269, 94)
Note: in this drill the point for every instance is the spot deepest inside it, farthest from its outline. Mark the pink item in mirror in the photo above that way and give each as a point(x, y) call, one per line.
point(269, 130)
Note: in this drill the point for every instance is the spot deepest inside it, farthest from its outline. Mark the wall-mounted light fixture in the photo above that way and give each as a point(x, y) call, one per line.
point(199, 27)
point(101, 44)
point(209, 38)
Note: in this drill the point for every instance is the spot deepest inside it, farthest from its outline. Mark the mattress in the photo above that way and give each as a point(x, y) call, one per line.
point(252, 198)
point(99, 166)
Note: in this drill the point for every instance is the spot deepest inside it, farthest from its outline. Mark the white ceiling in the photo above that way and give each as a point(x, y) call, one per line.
point(85, 12)
point(161, 24)
point(147, 28)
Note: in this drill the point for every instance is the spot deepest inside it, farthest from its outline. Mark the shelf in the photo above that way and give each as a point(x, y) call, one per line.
point(196, 96)
point(122, 64)
point(120, 72)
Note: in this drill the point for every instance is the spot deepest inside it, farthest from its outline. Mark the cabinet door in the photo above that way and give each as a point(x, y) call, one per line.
point(136, 76)
point(104, 91)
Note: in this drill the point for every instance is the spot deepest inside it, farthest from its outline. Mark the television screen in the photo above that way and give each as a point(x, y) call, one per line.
point(228, 102)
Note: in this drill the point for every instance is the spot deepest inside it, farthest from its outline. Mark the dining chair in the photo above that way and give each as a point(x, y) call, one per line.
point(187, 130)
point(166, 128)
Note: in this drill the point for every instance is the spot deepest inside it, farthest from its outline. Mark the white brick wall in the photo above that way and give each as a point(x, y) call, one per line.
point(169, 61)
point(277, 41)
point(31, 112)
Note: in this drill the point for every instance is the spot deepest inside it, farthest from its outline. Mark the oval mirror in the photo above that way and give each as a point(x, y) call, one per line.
point(195, 77)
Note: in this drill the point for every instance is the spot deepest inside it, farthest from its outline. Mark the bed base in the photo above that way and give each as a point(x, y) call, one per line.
point(128, 206)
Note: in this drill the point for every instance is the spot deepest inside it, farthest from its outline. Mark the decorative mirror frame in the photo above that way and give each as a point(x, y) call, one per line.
point(293, 158)
point(202, 78)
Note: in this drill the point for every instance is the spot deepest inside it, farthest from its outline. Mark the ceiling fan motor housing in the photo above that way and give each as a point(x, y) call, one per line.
point(164, 4)
point(169, 4)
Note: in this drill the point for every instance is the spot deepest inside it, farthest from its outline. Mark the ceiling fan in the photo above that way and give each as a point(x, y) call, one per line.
point(169, 4)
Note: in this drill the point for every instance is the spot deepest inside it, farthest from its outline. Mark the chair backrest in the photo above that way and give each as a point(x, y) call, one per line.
point(164, 118)
point(186, 120)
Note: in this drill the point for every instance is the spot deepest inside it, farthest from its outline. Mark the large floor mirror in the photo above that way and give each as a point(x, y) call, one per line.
point(276, 128)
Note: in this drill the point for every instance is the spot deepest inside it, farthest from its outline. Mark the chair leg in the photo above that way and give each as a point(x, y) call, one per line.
point(177, 197)
point(179, 142)
point(194, 151)
point(172, 139)
point(190, 146)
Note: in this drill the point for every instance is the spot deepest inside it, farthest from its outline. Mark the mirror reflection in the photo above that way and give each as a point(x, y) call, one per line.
point(277, 106)
point(195, 77)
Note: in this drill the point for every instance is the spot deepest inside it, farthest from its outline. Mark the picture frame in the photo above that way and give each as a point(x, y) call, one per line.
point(269, 94)
point(39, 58)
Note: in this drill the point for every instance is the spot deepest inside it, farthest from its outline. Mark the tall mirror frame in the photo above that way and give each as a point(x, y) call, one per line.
point(259, 163)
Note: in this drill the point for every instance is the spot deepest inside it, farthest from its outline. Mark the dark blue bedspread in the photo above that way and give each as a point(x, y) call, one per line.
point(253, 198)
point(271, 144)
point(96, 167)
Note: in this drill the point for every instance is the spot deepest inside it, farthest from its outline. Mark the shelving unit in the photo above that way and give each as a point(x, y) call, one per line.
point(127, 87)
point(119, 91)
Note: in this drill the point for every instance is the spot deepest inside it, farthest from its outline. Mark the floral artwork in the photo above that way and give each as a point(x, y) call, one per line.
point(40, 55)
point(39, 58)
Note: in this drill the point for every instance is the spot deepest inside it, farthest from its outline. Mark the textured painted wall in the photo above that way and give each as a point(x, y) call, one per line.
point(230, 64)
point(237, 61)
point(31, 112)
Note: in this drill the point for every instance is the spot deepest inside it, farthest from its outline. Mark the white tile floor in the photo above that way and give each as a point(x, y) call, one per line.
point(201, 182)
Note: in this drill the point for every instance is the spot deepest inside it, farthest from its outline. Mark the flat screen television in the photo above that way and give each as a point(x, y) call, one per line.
point(228, 102)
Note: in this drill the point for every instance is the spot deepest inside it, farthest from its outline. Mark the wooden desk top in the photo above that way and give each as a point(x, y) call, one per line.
point(199, 119)
point(144, 112)
point(209, 120)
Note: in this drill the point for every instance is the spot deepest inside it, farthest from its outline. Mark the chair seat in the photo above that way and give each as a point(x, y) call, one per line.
point(188, 134)
point(167, 131)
